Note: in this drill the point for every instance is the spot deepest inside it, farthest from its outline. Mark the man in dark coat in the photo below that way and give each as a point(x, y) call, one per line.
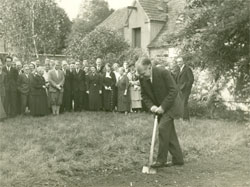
point(10, 88)
point(19, 67)
point(159, 93)
point(68, 88)
point(99, 66)
point(184, 80)
point(79, 87)
point(23, 83)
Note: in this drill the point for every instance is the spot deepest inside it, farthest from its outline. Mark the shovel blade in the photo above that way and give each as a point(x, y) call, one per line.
point(148, 170)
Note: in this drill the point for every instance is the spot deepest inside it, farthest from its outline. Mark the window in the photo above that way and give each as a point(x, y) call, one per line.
point(136, 37)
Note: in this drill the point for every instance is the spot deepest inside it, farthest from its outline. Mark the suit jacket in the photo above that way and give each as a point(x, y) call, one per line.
point(162, 92)
point(55, 80)
point(23, 83)
point(11, 79)
point(68, 82)
point(107, 81)
point(2, 83)
point(36, 85)
point(94, 82)
point(101, 70)
point(79, 81)
point(185, 79)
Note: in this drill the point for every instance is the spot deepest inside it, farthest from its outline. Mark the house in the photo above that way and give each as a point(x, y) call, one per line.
point(149, 25)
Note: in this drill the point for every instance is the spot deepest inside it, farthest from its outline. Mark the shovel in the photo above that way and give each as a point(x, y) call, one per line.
point(148, 169)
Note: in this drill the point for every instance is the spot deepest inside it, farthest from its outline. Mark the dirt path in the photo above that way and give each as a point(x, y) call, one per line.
point(231, 169)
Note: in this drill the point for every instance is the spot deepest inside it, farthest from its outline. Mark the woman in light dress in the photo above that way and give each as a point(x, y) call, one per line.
point(135, 89)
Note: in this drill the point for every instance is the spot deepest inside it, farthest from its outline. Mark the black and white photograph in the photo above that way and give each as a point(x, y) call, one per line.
point(124, 93)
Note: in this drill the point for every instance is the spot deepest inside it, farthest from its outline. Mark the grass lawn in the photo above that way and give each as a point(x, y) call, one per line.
point(74, 149)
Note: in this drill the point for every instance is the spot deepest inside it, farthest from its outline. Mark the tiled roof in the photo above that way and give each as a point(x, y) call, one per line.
point(155, 9)
point(116, 20)
point(171, 27)
point(163, 39)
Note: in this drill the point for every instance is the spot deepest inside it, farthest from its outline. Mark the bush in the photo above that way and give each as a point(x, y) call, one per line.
point(101, 42)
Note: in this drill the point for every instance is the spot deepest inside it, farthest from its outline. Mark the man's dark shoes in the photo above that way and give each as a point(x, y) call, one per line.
point(169, 164)
point(165, 164)
point(158, 165)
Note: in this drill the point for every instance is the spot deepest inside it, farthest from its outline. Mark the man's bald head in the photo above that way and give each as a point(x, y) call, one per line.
point(143, 67)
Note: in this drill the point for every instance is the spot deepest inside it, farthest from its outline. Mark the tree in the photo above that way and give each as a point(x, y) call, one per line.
point(217, 37)
point(91, 14)
point(34, 26)
point(101, 42)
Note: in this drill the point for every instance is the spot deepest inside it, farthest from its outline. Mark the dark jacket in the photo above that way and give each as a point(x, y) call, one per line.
point(185, 79)
point(161, 92)
point(107, 81)
point(37, 83)
point(23, 83)
point(11, 79)
point(100, 70)
point(79, 81)
point(68, 82)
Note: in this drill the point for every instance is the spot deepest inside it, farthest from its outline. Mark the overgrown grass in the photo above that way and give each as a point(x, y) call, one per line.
point(55, 150)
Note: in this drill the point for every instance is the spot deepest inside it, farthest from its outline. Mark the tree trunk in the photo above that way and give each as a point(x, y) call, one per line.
point(33, 30)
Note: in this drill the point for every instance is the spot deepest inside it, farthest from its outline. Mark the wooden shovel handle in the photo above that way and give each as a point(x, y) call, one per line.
point(151, 155)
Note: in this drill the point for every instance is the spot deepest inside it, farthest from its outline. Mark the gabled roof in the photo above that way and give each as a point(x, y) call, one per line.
point(155, 9)
point(116, 20)
point(163, 39)
point(172, 27)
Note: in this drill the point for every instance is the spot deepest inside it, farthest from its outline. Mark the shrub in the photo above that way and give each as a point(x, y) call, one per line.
point(101, 42)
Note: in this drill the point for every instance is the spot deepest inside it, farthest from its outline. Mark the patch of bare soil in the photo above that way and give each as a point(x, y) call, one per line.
point(231, 169)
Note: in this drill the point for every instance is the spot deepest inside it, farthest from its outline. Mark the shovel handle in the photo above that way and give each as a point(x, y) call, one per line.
point(151, 155)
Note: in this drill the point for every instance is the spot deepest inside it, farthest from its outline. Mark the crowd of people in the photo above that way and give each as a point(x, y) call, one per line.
point(58, 87)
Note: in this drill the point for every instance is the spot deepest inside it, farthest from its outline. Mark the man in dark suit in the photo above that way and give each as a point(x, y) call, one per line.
point(159, 92)
point(10, 88)
point(79, 87)
point(184, 80)
point(99, 66)
point(68, 88)
point(19, 68)
point(23, 83)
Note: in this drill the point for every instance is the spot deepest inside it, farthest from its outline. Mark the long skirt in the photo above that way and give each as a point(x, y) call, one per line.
point(135, 98)
point(39, 105)
point(85, 101)
point(95, 102)
point(123, 104)
point(2, 111)
point(108, 100)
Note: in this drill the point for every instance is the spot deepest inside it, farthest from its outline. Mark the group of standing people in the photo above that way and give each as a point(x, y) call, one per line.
point(59, 87)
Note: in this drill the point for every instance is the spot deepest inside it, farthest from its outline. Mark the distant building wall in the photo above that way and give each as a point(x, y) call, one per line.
point(138, 19)
point(155, 28)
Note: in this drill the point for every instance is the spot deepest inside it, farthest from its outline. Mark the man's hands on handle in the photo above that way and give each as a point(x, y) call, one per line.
point(157, 110)
point(153, 109)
